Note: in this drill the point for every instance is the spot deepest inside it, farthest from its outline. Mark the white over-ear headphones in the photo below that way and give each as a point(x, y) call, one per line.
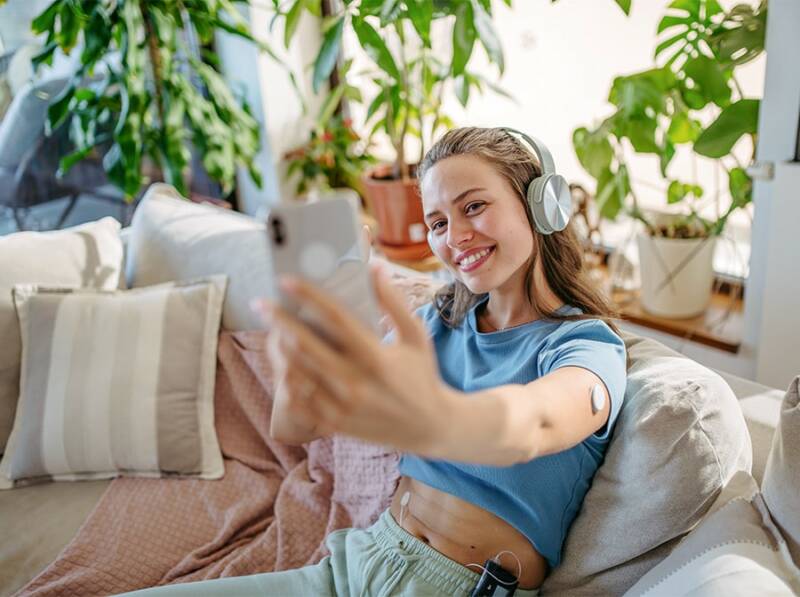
point(548, 196)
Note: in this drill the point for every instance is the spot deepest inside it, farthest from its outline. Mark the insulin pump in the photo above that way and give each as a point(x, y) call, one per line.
point(495, 581)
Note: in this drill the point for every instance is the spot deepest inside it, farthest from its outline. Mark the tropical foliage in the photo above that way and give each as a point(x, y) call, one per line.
point(138, 92)
point(661, 108)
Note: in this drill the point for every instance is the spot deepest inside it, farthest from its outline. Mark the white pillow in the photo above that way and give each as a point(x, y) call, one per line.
point(781, 484)
point(175, 239)
point(679, 437)
point(116, 382)
point(735, 551)
point(89, 255)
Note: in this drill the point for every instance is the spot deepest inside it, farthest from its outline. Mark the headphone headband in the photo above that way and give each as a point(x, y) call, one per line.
point(539, 149)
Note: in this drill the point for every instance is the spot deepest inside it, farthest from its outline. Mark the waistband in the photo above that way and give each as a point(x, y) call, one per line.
point(445, 574)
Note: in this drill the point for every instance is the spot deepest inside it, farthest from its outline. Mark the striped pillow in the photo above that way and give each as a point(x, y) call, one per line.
point(116, 382)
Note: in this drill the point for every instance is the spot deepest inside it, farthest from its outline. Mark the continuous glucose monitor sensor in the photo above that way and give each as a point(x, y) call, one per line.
point(598, 399)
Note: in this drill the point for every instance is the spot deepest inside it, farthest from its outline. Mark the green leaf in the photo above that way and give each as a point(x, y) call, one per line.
point(421, 13)
point(672, 21)
point(675, 192)
point(710, 80)
point(329, 106)
point(45, 21)
point(314, 7)
point(58, 111)
point(593, 150)
point(488, 35)
point(612, 189)
point(377, 102)
point(740, 118)
point(292, 20)
point(375, 47)
point(690, 6)
point(683, 129)
point(642, 134)
point(741, 186)
point(328, 53)
point(462, 89)
point(667, 153)
point(463, 38)
point(625, 5)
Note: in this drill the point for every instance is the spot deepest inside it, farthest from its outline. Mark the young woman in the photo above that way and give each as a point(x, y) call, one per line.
point(502, 393)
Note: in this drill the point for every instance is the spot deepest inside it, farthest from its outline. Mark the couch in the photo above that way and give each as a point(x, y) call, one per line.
point(171, 239)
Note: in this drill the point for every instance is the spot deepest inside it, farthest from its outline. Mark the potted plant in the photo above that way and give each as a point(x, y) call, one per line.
point(658, 110)
point(335, 156)
point(135, 90)
point(408, 81)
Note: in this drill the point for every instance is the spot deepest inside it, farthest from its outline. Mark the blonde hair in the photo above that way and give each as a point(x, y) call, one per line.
point(561, 253)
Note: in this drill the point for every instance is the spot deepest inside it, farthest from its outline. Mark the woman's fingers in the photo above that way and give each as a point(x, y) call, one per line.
point(408, 327)
point(343, 328)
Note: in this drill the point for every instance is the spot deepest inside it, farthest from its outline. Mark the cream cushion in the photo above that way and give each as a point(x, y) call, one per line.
point(116, 382)
point(736, 550)
point(781, 484)
point(85, 256)
point(174, 239)
point(679, 438)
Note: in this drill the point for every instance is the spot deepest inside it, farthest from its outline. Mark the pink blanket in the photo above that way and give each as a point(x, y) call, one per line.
point(271, 511)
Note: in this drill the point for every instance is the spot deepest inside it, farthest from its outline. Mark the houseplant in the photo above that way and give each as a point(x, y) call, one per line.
point(408, 81)
point(133, 93)
point(334, 155)
point(662, 108)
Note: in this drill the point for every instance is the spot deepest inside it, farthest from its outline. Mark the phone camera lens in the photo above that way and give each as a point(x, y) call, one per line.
point(278, 234)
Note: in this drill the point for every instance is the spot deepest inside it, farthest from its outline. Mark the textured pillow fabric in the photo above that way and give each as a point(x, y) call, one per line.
point(116, 382)
point(735, 551)
point(89, 255)
point(679, 438)
point(781, 484)
point(175, 239)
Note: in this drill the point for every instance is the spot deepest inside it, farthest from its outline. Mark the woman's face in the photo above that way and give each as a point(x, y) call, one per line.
point(476, 223)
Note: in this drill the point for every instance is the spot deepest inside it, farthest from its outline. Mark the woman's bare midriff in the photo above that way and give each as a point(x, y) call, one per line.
point(465, 532)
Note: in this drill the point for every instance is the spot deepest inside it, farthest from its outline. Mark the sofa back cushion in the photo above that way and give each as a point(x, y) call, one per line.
point(781, 484)
point(89, 255)
point(679, 438)
point(174, 239)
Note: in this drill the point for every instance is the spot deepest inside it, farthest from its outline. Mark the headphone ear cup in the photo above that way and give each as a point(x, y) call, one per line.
point(535, 203)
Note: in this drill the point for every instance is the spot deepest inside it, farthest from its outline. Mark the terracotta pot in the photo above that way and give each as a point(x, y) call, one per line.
point(398, 208)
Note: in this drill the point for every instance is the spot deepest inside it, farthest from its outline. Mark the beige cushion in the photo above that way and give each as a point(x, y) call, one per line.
point(116, 382)
point(85, 256)
point(735, 551)
point(38, 522)
point(781, 485)
point(679, 438)
point(174, 239)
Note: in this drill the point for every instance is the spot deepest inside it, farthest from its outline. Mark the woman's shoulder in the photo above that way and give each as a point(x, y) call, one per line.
point(586, 328)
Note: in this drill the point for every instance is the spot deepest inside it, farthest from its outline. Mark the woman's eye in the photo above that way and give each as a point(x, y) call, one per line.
point(436, 225)
point(477, 205)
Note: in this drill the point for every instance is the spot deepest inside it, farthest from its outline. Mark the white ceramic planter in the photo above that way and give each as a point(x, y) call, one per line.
point(689, 291)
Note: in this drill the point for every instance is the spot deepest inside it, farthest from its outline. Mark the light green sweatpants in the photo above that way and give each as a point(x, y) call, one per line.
point(381, 560)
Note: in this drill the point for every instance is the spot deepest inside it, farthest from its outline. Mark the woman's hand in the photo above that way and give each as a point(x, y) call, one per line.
point(385, 393)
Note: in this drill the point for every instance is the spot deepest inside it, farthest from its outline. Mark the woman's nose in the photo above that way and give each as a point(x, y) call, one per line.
point(458, 234)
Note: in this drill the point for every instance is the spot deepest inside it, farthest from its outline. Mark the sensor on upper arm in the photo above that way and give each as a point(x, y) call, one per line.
point(598, 398)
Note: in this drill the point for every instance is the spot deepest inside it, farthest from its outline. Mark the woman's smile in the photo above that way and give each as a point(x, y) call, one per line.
point(472, 260)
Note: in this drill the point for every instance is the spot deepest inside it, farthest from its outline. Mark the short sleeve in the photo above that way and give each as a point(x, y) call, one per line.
point(594, 346)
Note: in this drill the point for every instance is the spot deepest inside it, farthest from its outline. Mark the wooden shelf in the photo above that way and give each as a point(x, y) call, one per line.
point(721, 326)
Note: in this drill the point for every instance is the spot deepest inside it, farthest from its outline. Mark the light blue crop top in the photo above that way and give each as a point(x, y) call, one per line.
point(541, 497)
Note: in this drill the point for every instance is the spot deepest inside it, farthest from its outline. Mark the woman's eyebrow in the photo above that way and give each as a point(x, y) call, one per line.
point(456, 199)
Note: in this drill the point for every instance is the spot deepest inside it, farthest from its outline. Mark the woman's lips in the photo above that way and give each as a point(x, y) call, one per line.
point(473, 263)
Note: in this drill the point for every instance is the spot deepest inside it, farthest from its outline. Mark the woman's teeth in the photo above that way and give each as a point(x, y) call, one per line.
point(474, 257)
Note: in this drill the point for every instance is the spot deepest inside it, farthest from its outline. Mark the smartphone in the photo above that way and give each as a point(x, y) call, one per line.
point(320, 242)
